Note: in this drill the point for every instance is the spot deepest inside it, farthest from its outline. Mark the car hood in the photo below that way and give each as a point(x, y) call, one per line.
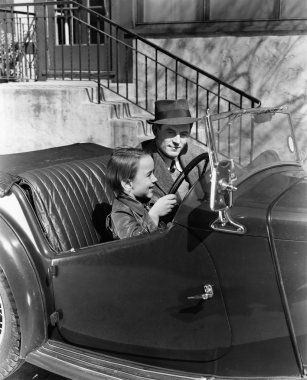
point(277, 193)
point(288, 216)
point(282, 189)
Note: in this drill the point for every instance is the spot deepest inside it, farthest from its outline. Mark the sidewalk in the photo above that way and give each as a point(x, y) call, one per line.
point(30, 372)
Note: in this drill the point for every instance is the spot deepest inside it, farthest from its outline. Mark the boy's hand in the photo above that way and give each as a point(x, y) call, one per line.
point(163, 206)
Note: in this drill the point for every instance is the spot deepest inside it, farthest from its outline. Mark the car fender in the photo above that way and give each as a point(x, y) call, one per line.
point(24, 284)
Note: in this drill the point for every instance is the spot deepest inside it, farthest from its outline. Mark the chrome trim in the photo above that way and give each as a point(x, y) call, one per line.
point(79, 364)
point(224, 223)
point(208, 293)
point(2, 320)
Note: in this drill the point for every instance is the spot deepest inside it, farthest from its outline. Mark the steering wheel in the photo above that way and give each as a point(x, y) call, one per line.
point(191, 165)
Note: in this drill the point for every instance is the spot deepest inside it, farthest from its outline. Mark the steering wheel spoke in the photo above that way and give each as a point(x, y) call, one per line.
point(187, 169)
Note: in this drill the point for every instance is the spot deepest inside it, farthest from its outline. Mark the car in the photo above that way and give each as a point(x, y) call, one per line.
point(221, 293)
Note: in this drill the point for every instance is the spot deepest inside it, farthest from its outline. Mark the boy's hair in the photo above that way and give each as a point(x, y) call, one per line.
point(123, 166)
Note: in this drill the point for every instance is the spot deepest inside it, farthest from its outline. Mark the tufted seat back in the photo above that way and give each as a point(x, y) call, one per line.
point(65, 196)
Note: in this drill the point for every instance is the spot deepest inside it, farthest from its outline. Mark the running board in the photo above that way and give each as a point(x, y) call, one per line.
point(80, 364)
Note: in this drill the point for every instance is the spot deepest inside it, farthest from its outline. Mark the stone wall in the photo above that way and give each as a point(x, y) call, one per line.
point(271, 68)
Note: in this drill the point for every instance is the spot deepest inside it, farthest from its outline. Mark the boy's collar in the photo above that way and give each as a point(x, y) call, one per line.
point(134, 204)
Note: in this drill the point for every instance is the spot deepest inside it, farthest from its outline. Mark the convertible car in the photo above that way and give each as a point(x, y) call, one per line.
point(222, 293)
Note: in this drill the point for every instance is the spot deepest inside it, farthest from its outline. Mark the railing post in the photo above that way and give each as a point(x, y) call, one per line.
point(6, 43)
point(127, 72)
point(108, 48)
point(41, 43)
point(197, 101)
point(165, 82)
point(176, 79)
point(88, 41)
point(28, 70)
point(63, 42)
point(156, 74)
point(20, 72)
point(70, 41)
point(98, 61)
point(136, 73)
point(146, 82)
point(117, 61)
point(218, 97)
point(79, 45)
point(13, 73)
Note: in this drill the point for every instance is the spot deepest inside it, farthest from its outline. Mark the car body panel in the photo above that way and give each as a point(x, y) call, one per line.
point(18, 268)
point(288, 221)
point(292, 259)
point(245, 264)
point(253, 300)
point(289, 215)
point(148, 281)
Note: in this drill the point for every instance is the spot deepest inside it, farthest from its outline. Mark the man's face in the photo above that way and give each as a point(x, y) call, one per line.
point(171, 139)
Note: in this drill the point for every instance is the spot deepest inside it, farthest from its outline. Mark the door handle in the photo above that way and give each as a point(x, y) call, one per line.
point(207, 294)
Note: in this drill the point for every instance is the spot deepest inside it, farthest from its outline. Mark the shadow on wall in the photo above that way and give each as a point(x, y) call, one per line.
point(271, 68)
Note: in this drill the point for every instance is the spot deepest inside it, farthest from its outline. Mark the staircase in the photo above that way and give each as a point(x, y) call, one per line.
point(39, 115)
point(87, 78)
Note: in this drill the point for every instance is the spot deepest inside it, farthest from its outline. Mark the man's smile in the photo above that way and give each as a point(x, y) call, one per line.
point(175, 147)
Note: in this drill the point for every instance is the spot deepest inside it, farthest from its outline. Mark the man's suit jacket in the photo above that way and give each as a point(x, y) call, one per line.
point(164, 178)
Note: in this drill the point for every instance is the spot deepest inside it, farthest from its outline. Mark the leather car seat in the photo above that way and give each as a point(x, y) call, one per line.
point(65, 197)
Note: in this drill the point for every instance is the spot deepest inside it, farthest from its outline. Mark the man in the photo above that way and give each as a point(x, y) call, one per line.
point(172, 149)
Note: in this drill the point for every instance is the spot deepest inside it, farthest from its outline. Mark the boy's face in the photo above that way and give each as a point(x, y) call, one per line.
point(171, 139)
point(143, 183)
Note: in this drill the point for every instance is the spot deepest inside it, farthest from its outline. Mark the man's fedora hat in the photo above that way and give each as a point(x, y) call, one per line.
point(172, 112)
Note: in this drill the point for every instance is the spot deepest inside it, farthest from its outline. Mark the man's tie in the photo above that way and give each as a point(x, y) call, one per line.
point(172, 167)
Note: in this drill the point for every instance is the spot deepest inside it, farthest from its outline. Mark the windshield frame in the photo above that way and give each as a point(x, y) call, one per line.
point(215, 155)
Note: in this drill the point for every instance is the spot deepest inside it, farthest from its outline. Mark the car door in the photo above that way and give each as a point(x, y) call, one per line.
point(288, 229)
point(143, 295)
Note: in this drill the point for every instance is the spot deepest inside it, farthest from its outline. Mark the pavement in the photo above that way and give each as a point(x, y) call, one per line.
point(31, 372)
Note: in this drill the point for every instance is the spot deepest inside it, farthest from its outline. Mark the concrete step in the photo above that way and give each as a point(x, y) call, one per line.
point(75, 91)
point(40, 115)
point(79, 92)
point(130, 132)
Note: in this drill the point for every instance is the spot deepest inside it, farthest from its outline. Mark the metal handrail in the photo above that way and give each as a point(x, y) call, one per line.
point(175, 72)
point(122, 57)
point(173, 56)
